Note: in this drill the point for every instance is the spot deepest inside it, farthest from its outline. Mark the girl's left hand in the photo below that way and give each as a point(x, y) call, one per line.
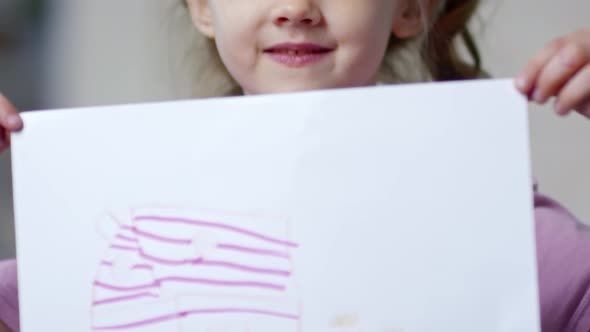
point(561, 70)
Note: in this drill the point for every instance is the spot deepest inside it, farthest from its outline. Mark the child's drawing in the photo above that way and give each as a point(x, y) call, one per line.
point(179, 270)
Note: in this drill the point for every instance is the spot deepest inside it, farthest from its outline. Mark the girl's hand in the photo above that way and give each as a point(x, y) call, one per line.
point(9, 121)
point(561, 70)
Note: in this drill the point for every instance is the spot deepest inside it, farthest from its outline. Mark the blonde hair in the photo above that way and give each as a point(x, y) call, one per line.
point(432, 56)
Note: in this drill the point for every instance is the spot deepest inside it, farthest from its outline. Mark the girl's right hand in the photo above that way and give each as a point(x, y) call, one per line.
point(10, 121)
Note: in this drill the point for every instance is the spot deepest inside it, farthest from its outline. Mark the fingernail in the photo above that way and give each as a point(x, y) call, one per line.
point(14, 121)
point(538, 97)
point(521, 82)
point(559, 109)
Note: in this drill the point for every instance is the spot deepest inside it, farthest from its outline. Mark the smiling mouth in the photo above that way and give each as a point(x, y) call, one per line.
point(298, 48)
point(297, 52)
point(297, 55)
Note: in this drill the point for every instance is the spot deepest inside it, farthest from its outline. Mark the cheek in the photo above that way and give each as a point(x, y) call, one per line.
point(236, 44)
point(370, 19)
point(364, 36)
point(238, 59)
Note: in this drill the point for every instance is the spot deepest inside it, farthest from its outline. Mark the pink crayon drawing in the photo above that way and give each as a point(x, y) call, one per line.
point(179, 270)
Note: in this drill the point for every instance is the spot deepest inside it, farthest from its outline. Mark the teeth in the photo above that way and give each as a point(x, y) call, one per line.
point(291, 52)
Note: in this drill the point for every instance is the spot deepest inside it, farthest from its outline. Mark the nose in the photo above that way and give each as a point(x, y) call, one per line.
point(296, 13)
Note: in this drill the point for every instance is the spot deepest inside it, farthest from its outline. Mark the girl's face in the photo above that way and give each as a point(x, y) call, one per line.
point(292, 45)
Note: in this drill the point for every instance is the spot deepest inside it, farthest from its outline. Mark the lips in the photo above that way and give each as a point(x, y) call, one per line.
point(298, 55)
point(298, 49)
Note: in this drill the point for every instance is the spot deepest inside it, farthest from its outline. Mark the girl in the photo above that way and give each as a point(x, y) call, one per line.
point(267, 46)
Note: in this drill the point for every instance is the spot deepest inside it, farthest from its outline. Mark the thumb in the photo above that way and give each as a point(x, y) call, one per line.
point(9, 117)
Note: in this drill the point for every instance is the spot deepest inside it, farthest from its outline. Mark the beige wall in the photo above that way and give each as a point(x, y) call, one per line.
point(105, 56)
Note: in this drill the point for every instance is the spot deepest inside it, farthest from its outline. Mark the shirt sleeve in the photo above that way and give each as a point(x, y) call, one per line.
point(563, 258)
point(9, 295)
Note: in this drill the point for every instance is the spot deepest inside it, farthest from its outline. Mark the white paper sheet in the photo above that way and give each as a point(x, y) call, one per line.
point(402, 208)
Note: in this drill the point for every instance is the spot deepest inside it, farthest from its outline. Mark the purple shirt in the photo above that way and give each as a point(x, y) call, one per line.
point(563, 254)
point(563, 260)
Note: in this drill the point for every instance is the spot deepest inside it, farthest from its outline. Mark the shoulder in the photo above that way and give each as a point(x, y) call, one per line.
point(9, 294)
point(563, 258)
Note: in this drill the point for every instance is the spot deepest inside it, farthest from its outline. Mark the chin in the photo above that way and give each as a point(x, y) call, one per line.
point(286, 87)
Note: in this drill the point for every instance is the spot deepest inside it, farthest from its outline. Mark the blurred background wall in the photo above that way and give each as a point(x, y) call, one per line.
point(67, 53)
point(21, 65)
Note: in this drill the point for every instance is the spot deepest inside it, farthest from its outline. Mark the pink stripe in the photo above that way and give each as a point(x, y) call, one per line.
point(126, 238)
point(157, 237)
point(256, 251)
point(219, 226)
point(249, 250)
point(120, 288)
point(230, 265)
point(164, 261)
point(134, 267)
point(106, 263)
point(127, 248)
point(244, 268)
point(183, 314)
point(142, 267)
point(211, 282)
point(124, 298)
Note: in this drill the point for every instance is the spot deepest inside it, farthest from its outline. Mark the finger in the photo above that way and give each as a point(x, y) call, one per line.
point(9, 117)
point(526, 80)
point(560, 68)
point(584, 108)
point(3, 140)
point(575, 92)
point(7, 140)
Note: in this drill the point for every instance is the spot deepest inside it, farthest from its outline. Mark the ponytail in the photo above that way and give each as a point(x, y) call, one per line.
point(440, 49)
